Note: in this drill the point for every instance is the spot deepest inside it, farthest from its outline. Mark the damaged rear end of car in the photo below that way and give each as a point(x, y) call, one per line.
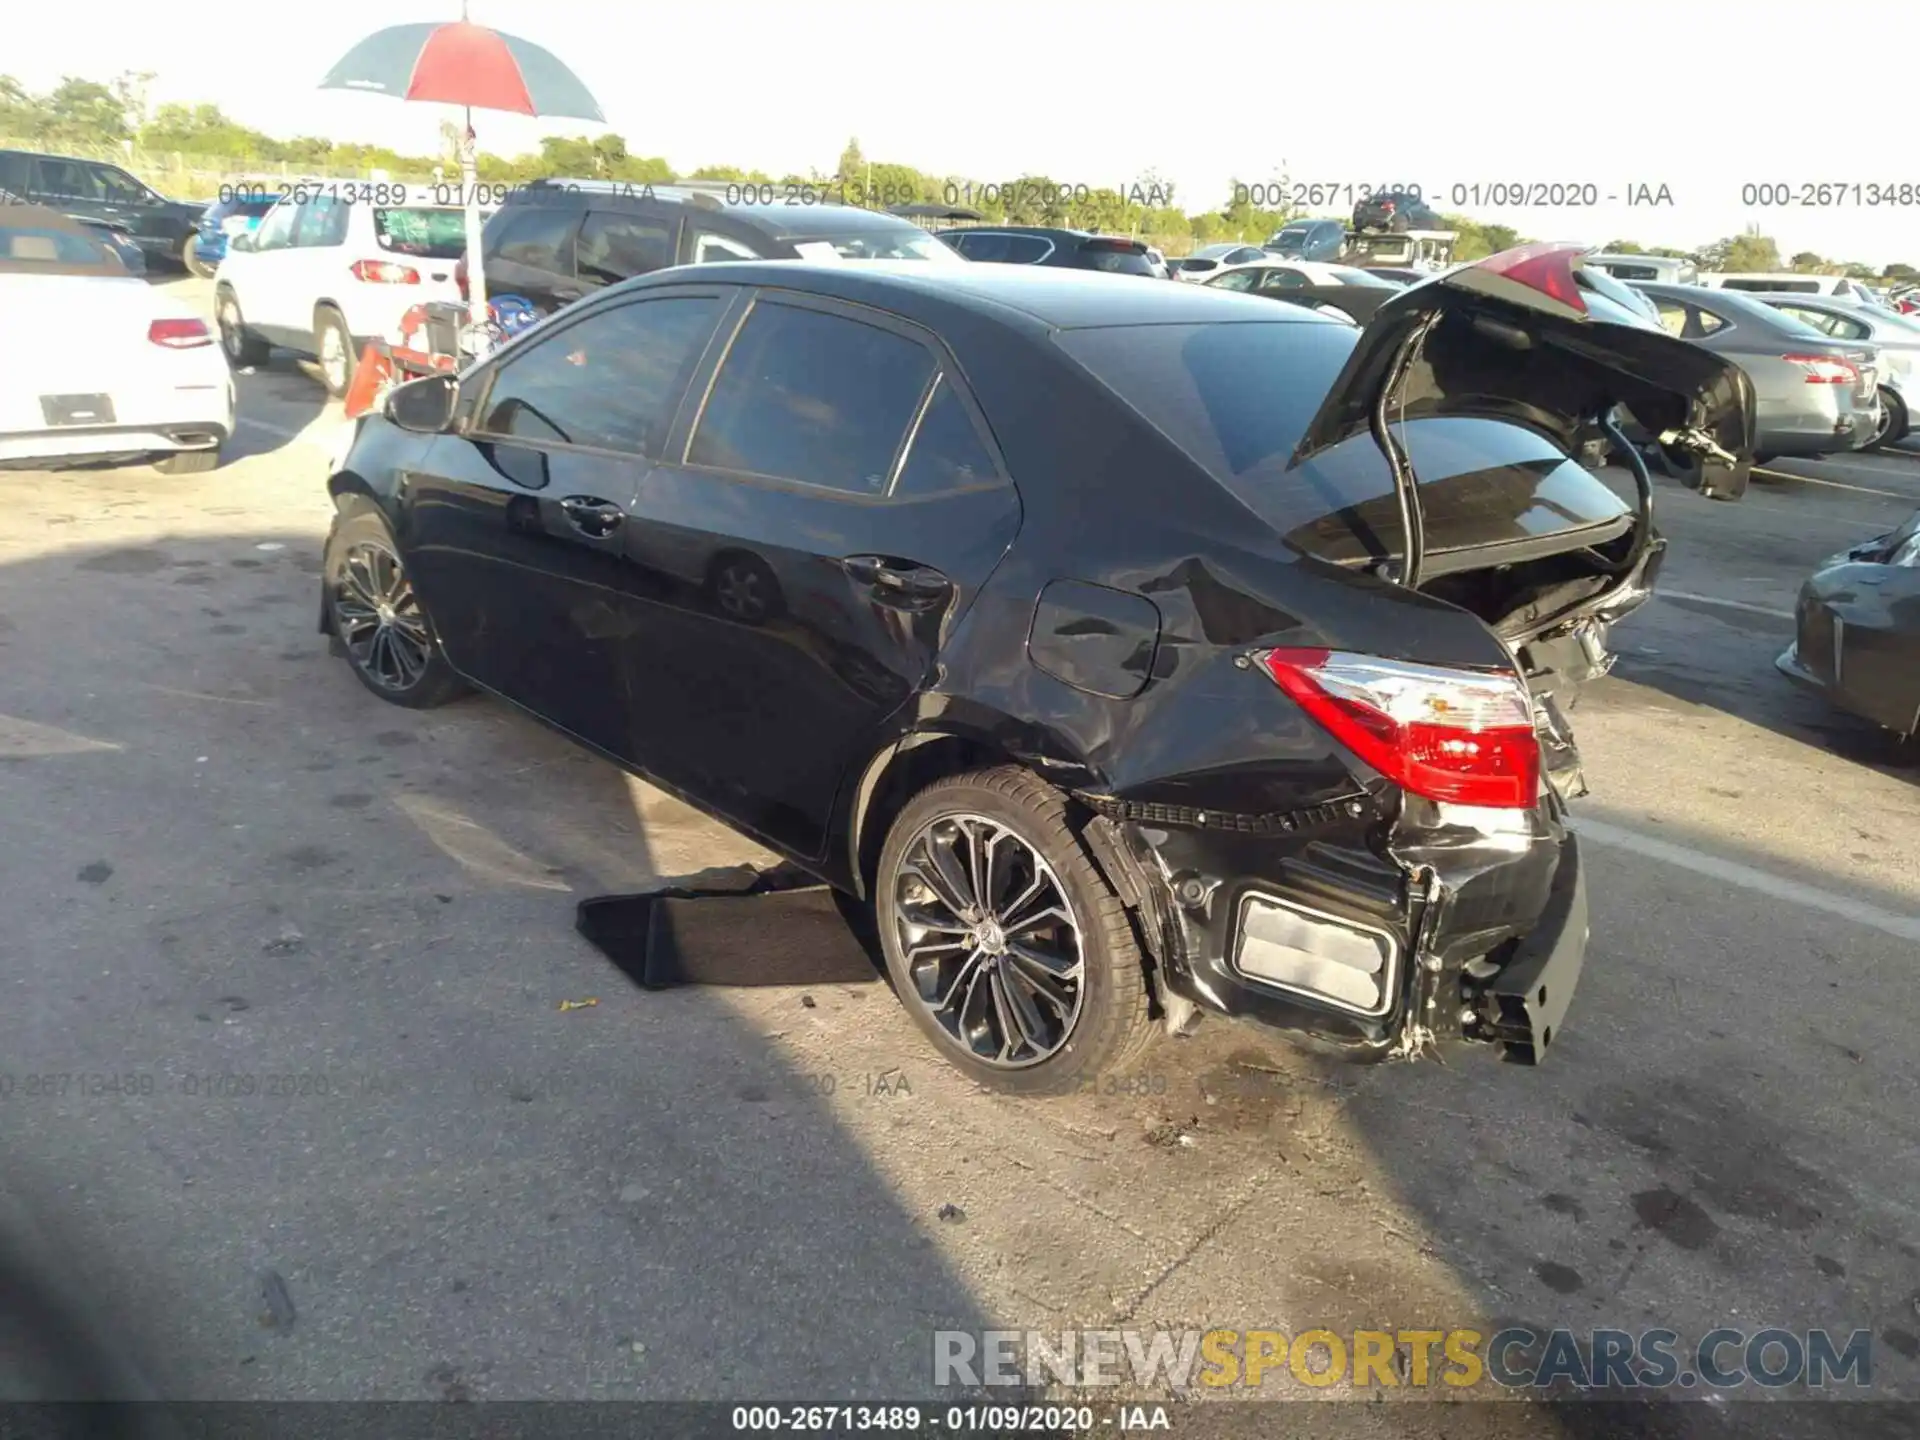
point(1339, 804)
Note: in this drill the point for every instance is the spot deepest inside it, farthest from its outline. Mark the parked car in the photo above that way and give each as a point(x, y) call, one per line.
point(118, 370)
point(1292, 749)
point(1336, 289)
point(239, 214)
point(1894, 336)
point(1308, 240)
point(1814, 395)
point(1161, 270)
point(1209, 260)
point(95, 190)
point(1396, 272)
point(1857, 631)
point(556, 241)
point(1790, 282)
point(327, 271)
point(1042, 245)
point(113, 237)
point(1397, 211)
point(1662, 269)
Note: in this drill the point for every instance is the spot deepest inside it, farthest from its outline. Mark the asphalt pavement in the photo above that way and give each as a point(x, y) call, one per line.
point(354, 1145)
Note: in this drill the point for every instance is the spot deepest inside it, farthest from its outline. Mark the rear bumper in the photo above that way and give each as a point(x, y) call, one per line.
point(1820, 429)
point(1481, 940)
point(181, 419)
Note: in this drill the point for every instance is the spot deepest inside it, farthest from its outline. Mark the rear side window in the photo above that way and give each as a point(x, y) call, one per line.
point(813, 397)
point(13, 173)
point(946, 452)
point(615, 247)
point(32, 245)
point(70, 179)
point(709, 247)
point(610, 380)
point(322, 222)
point(1283, 280)
point(537, 238)
point(1234, 397)
point(1115, 261)
point(429, 232)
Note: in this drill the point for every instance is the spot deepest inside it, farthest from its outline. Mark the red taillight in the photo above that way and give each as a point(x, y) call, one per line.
point(460, 277)
point(385, 272)
point(1130, 247)
point(180, 334)
point(1387, 206)
point(1545, 267)
point(1825, 369)
point(1462, 736)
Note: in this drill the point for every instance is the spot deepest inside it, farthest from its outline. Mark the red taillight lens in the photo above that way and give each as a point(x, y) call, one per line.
point(1825, 369)
point(385, 272)
point(1462, 736)
point(1129, 247)
point(1545, 267)
point(460, 277)
point(1387, 206)
point(180, 334)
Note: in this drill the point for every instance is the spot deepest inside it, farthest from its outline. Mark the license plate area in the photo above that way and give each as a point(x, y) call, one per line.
point(77, 409)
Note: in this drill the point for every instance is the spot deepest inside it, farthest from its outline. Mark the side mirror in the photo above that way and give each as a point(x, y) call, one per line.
point(242, 241)
point(424, 406)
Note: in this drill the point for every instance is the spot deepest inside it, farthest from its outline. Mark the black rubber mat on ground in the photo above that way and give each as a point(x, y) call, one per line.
point(738, 927)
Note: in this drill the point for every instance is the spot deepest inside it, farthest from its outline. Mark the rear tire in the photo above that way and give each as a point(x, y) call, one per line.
point(374, 615)
point(1043, 981)
point(333, 345)
point(190, 260)
point(189, 462)
point(1893, 422)
point(243, 348)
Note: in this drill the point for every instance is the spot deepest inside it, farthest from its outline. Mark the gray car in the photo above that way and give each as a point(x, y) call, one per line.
point(1815, 395)
point(1895, 336)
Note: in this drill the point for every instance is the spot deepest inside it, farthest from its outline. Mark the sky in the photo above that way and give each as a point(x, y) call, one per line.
point(1474, 103)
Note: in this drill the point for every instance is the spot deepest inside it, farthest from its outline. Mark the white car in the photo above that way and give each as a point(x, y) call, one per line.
point(333, 266)
point(106, 367)
point(1209, 260)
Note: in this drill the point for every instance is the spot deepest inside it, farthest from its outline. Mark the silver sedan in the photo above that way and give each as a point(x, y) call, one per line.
point(1895, 336)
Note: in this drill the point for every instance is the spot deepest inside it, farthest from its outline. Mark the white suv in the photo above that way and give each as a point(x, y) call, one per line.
point(333, 265)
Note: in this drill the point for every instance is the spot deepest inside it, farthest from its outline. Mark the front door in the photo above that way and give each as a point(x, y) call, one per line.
point(516, 529)
point(828, 514)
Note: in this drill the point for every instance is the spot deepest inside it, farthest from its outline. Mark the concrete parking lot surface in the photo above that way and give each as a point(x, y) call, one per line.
point(220, 857)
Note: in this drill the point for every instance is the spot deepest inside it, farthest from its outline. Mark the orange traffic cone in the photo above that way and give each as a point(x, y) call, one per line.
point(371, 380)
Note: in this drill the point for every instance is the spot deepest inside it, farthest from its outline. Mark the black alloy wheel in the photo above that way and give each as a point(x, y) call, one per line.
point(378, 619)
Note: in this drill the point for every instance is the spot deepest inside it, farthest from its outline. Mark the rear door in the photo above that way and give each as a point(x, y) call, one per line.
point(518, 529)
point(262, 277)
point(832, 504)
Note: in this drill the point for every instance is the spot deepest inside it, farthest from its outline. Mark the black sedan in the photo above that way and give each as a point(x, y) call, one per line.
point(1098, 644)
point(1857, 631)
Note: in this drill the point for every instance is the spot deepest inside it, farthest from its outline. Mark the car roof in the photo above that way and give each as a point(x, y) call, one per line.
point(1050, 297)
point(784, 221)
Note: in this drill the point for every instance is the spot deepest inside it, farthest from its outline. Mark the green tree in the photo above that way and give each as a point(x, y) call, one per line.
point(1807, 260)
point(1899, 271)
point(1747, 251)
point(83, 114)
point(1622, 247)
point(852, 169)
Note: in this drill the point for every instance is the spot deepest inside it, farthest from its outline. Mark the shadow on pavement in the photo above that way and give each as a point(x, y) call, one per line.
point(317, 1095)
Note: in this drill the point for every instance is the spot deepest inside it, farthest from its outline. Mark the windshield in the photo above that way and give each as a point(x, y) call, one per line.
point(906, 244)
point(426, 231)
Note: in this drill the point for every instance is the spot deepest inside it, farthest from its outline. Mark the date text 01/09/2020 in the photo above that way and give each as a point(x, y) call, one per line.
point(973, 1419)
point(1471, 194)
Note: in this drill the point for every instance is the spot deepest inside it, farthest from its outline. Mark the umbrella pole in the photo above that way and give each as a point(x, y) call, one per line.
point(476, 262)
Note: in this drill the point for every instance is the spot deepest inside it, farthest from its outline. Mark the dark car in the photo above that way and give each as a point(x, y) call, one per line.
point(1115, 664)
point(1041, 245)
point(115, 239)
point(1397, 211)
point(239, 214)
point(555, 241)
point(1308, 240)
point(1857, 631)
point(1400, 273)
point(92, 190)
point(1816, 395)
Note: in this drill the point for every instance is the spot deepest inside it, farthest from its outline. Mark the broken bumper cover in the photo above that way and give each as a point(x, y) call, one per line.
point(1324, 938)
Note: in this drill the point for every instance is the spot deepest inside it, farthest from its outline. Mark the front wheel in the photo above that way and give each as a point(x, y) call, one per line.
point(373, 612)
point(245, 349)
point(1007, 946)
point(334, 348)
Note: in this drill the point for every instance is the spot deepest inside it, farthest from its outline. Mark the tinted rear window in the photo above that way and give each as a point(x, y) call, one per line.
point(1235, 397)
point(1798, 287)
point(427, 231)
point(1114, 262)
point(32, 245)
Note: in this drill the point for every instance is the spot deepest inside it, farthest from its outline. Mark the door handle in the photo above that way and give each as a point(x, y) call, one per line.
point(592, 516)
point(899, 583)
